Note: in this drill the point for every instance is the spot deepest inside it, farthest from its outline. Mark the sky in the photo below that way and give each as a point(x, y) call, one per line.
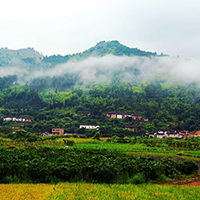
point(65, 27)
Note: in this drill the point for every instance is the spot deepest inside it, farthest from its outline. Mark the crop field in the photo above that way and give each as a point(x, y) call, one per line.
point(56, 163)
point(81, 191)
point(192, 153)
point(138, 149)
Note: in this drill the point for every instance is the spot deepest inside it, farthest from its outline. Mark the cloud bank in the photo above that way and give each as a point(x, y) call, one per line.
point(103, 69)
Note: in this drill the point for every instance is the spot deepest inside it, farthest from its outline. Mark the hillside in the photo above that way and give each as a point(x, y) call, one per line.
point(11, 57)
point(30, 56)
point(112, 47)
point(108, 77)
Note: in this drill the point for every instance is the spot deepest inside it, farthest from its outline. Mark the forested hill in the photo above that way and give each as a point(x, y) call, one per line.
point(112, 47)
point(10, 57)
point(108, 77)
point(29, 56)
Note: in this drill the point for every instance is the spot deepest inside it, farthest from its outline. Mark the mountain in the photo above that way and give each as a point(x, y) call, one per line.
point(8, 57)
point(30, 56)
point(112, 47)
point(29, 64)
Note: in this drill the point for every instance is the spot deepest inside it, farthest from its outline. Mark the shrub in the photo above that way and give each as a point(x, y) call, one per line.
point(48, 165)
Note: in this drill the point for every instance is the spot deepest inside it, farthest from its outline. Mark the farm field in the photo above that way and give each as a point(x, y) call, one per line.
point(82, 191)
point(137, 149)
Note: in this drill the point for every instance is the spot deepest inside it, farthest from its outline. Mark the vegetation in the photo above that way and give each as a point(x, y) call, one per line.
point(174, 107)
point(84, 191)
point(45, 165)
point(111, 154)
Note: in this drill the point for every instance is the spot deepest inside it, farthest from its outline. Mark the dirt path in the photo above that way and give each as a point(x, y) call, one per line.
point(197, 184)
point(195, 181)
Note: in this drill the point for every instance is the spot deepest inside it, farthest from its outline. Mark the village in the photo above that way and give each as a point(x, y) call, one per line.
point(165, 133)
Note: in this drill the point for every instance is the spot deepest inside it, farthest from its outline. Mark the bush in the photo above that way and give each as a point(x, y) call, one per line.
point(46, 165)
point(137, 179)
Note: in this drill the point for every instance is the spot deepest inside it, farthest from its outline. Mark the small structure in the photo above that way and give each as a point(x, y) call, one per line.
point(131, 127)
point(84, 112)
point(27, 120)
point(17, 128)
point(160, 134)
point(120, 116)
point(173, 134)
point(197, 133)
point(137, 117)
point(90, 127)
point(145, 119)
point(58, 131)
point(45, 134)
point(7, 119)
point(127, 114)
point(111, 114)
point(17, 119)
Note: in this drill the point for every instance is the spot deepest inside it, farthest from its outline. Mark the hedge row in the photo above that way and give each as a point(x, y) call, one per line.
point(46, 165)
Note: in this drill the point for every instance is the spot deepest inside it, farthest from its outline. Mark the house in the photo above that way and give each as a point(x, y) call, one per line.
point(114, 114)
point(90, 127)
point(137, 117)
point(197, 133)
point(17, 128)
point(7, 119)
point(27, 120)
point(120, 116)
point(45, 134)
point(145, 119)
point(160, 134)
point(111, 114)
point(173, 134)
point(128, 115)
point(84, 112)
point(17, 119)
point(131, 127)
point(57, 131)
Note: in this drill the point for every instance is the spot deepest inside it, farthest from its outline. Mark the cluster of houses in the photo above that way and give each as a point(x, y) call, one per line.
point(16, 119)
point(60, 131)
point(174, 134)
point(118, 115)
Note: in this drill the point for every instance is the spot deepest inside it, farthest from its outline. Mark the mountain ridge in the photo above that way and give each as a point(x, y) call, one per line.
point(31, 56)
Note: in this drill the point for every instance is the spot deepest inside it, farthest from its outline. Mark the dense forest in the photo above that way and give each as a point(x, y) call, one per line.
point(165, 107)
point(52, 94)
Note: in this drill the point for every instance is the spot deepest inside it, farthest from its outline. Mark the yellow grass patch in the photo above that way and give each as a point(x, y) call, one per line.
point(25, 191)
point(83, 191)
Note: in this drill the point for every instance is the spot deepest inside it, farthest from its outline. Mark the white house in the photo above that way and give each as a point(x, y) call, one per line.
point(90, 127)
point(160, 134)
point(120, 116)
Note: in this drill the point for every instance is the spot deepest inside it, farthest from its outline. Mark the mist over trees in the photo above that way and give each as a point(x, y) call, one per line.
point(51, 90)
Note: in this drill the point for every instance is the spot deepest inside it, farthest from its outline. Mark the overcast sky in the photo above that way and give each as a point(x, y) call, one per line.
point(67, 27)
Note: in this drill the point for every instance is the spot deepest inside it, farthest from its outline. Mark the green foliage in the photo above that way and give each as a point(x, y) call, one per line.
point(113, 47)
point(90, 165)
point(97, 136)
point(68, 142)
point(55, 102)
point(7, 81)
point(56, 82)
